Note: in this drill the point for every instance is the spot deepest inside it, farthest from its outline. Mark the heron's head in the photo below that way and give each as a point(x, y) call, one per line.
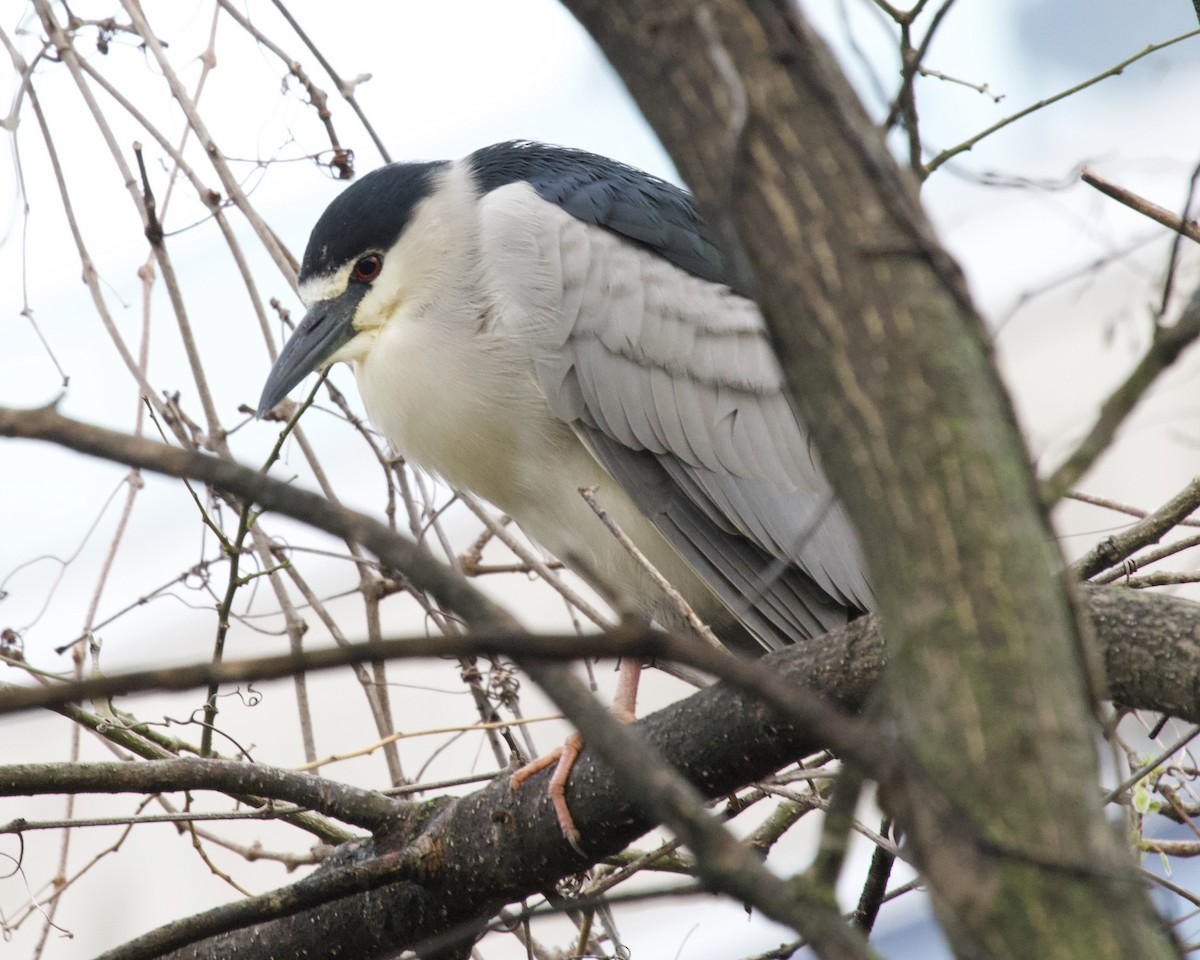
point(366, 252)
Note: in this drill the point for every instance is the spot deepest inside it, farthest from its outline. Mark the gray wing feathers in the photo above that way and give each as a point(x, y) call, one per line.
point(776, 601)
point(672, 383)
point(809, 529)
point(608, 194)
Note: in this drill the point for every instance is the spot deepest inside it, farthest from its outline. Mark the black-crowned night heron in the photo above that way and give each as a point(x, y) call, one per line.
point(532, 320)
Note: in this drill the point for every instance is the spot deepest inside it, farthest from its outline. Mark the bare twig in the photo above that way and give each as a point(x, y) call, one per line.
point(344, 88)
point(1163, 578)
point(431, 731)
point(674, 597)
point(342, 161)
point(1112, 550)
point(1150, 556)
point(1117, 506)
point(21, 825)
point(1189, 228)
point(981, 88)
point(542, 568)
point(363, 808)
point(1166, 345)
point(1113, 71)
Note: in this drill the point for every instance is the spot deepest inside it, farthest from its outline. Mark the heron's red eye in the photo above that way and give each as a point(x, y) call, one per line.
point(368, 267)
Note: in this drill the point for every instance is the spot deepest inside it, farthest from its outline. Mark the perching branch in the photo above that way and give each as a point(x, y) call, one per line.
point(507, 845)
point(658, 788)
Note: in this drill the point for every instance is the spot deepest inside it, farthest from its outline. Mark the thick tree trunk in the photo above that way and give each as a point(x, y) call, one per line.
point(986, 685)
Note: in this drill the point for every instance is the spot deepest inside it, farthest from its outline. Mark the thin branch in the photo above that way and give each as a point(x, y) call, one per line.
point(342, 162)
point(421, 569)
point(620, 642)
point(1150, 556)
point(1119, 507)
point(1112, 550)
point(234, 549)
point(1112, 71)
point(1168, 218)
point(981, 88)
point(673, 596)
point(370, 690)
point(1170, 848)
point(431, 731)
point(1151, 765)
point(344, 88)
point(362, 808)
point(1165, 348)
point(1163, 578)
point(21, 825)
point(283, 259)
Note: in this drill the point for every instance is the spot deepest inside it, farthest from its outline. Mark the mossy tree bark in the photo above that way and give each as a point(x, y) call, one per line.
point(986, 686)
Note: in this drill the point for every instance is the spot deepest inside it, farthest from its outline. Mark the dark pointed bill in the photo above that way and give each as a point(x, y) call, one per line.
point(325, 329)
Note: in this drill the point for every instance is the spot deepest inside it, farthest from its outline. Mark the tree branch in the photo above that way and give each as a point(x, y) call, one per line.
point(1189, 227)
point(509, 846)
point(1112, 550)
point(1149, 641)
point(362, 808)
point(497, 846)
point(419, 566)
point(1167, 344)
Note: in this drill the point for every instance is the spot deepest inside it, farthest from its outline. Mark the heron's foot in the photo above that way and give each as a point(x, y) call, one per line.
point(563, 760)
point(625, 709)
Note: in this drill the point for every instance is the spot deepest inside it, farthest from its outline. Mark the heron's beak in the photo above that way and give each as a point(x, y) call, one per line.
point(326, 328)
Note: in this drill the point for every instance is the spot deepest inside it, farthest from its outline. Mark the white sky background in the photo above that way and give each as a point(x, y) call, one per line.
point(446, 78)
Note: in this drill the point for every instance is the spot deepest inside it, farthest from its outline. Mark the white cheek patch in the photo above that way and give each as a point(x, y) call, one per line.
point(387, 294)
point(324, 287)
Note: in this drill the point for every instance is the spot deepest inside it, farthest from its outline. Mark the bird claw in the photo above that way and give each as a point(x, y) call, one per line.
point(563, 760)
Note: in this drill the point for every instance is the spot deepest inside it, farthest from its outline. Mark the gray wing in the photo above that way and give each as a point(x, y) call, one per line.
point(609, 194)
point(670, 380)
